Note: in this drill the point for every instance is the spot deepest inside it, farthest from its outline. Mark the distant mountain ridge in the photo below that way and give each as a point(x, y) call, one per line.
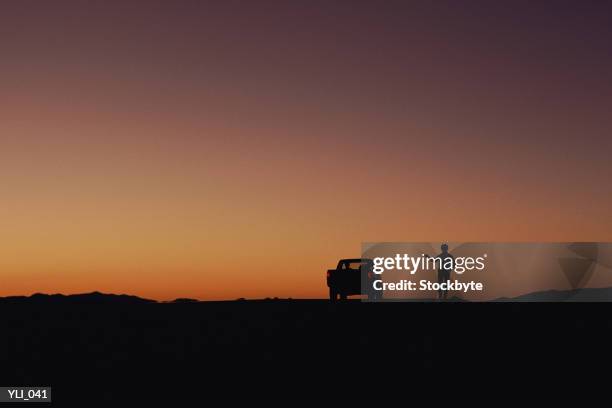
point(575, 295)
point(80, 298)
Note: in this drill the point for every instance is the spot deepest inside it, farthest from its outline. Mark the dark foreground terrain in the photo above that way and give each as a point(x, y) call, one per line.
point(112, 351)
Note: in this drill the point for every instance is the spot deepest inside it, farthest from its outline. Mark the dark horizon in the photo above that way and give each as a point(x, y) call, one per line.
point(587, 294)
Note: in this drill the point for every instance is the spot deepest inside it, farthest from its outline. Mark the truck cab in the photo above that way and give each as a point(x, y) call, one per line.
point(352, 276)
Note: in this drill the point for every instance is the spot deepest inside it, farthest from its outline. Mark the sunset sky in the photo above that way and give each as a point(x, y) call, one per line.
point(231, 149)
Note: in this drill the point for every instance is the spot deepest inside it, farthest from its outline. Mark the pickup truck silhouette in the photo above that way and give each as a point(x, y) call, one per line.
point(352, 277)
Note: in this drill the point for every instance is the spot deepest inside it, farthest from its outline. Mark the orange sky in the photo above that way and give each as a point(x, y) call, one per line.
point(179, 151)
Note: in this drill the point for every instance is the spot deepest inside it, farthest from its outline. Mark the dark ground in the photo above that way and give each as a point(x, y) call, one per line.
point(186, 352)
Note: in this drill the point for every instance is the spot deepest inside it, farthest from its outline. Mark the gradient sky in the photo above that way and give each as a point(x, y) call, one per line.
point(238, 149)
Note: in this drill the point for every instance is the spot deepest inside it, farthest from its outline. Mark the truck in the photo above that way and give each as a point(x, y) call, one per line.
point(352, 276)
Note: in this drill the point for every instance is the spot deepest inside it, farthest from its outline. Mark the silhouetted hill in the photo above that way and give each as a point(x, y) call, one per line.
point(185, 300)
point(576, 295)
point(82, 298)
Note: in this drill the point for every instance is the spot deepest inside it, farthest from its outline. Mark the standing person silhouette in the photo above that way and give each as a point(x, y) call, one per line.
point(444, 272)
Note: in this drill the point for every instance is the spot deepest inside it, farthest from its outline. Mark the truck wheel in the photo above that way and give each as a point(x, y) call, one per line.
point(333, 295)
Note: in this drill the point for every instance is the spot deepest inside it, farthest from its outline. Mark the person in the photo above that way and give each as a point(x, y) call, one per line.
point(444, 272)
